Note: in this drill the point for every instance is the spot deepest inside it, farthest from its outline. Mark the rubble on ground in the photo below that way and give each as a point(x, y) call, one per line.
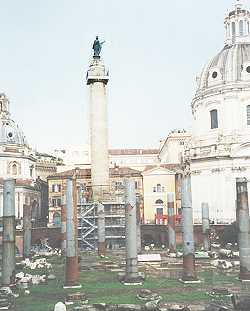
point(26, 279)
point(45, 250)
point(40, 263)
point(149, 306)
point(76, 297)
point(220, 291)
point(7, 298)
point(222, 264)
point(201, 255)
point(148, 295)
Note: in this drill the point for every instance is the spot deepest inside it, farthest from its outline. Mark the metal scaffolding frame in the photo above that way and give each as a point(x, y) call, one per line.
point(113, 201)
point(86, 221)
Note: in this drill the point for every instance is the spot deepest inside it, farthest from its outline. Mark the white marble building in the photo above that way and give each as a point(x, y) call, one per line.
point(220, 147)
point(172, 149)
point(17, 161)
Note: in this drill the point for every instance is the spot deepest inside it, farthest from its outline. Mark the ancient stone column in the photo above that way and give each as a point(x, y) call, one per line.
point(97, 79)
point(131, 232)
point(171, 223)
point(27, 229)
point(9, 233)
point(63, 224)
point(72, 265)
point(205, 226)
point(243, 228)
point(187, 231)
point(101, 229)
point(138, 225)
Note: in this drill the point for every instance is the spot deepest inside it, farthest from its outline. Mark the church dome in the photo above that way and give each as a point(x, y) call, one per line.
point(232, 64)
point(10, 133)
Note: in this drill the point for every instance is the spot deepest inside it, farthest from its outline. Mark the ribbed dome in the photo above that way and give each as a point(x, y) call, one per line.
point(231, 65)
point(10, 133)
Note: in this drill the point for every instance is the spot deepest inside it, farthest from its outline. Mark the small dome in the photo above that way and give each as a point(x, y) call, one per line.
point(231, 65)
point(10, 133)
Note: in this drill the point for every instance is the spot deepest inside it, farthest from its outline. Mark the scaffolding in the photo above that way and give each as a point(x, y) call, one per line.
point(114, 217)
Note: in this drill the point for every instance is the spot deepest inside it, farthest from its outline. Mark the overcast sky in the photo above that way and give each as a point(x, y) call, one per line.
point(153, 49)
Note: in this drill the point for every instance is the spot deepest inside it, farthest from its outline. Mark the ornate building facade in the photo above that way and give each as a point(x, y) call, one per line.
point(17, 161)
point(219, 151)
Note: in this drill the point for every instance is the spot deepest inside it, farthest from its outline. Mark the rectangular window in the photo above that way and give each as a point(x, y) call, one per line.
point(56, 202)
point(137, 184)
point(118, 185)
point(248, 115)
point(159, 211)
point(214, 119)
point(56, 188)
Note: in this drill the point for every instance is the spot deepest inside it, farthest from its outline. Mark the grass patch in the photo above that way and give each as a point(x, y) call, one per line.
point(104, 287)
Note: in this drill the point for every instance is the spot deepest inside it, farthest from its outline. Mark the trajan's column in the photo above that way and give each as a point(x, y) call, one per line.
point(97, 79)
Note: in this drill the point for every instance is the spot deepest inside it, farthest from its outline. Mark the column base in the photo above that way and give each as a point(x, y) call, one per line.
point(101, 249)
point(244, 275)
point(72, 286)
point(194, 281)
point(131, 279)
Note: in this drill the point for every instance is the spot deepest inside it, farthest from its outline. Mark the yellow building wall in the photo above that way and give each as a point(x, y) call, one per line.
point(149, 182)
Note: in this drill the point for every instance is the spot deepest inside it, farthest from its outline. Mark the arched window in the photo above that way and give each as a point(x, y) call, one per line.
point(241, 28)
point(214, 119)
point(158, 187)
point(159, 201)
point(14, 169)
point(248, 115)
